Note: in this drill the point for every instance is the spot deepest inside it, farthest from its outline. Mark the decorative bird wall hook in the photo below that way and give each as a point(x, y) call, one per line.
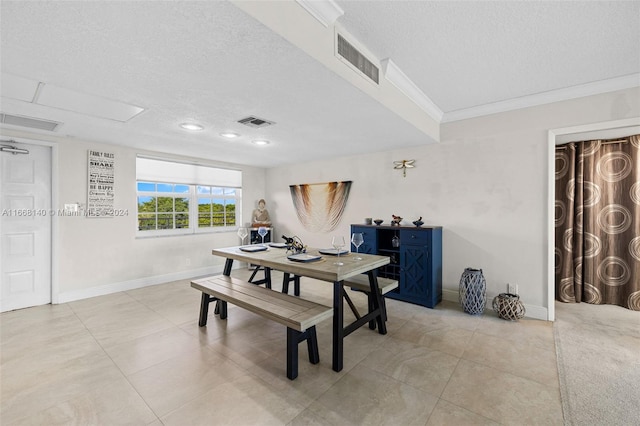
point(404, 165)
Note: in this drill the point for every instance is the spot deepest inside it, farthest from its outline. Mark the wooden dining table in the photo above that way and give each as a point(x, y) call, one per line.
point(323, 269)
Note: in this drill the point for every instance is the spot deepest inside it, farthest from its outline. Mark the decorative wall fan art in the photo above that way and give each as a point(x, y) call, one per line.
point(320, 206)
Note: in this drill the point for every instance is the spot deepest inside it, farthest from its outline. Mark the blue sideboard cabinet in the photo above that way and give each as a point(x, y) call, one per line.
point(416, 259)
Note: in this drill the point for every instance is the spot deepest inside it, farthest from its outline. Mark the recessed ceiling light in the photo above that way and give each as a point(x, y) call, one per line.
point(260, 142)
point(229, 135)
point(191, 126)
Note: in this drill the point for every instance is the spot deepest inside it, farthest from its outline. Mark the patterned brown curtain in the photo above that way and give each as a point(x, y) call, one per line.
point(597, 216)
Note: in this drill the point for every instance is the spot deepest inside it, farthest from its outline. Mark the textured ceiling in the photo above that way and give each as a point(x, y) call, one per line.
point(212, 63)
point(464, 54)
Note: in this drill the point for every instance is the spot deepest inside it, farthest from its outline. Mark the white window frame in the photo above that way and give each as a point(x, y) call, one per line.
point(200, 175)
point(235, 198)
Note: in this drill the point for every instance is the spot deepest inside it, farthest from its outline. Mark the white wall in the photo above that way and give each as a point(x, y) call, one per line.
point(485, 184)
point(98, 256)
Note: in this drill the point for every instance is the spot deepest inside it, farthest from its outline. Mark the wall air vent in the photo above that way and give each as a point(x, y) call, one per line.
point(357, 59)
point(31, 122)
point(255, 122)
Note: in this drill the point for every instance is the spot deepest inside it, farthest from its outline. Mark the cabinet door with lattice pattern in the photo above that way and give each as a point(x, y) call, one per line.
point(415, 276)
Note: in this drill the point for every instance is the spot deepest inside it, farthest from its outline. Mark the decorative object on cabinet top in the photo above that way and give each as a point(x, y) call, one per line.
point(378, 222)
point(401, 227)
point(396, 220)
point(418, 222)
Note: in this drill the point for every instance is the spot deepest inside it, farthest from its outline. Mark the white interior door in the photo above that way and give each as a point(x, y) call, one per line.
point(25, 227)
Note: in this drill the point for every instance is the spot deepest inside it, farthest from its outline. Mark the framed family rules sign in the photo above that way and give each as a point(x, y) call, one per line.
point(100, 198)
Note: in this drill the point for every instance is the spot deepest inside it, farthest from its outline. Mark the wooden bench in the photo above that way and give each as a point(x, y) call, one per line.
point(298, 315)
point(361, 283)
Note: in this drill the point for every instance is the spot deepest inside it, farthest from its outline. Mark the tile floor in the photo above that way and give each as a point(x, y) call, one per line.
point(138, 357)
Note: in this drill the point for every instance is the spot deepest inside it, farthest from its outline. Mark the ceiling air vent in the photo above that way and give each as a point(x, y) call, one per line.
point(31, 122)
point(255, 122)
point(357, 59)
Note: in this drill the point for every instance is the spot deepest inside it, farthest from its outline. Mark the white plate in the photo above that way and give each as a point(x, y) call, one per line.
point(304, 257)
point(332, 252)
point(278, 245)
point(253, 248)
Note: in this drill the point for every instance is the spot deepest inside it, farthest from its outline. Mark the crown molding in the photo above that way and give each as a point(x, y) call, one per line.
point(579, 91)
point(399, 79)
point(325, 11)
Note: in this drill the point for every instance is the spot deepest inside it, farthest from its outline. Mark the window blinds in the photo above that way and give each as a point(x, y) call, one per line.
point(153, 170)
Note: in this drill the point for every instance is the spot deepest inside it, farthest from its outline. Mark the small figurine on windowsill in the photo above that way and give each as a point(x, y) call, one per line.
point(396, 220)
point(260, 216)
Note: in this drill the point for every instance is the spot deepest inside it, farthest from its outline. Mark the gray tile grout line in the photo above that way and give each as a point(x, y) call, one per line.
point(124, 376)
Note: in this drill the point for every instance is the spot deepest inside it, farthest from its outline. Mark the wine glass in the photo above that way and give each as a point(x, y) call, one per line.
point(357, 239)
point(242, 233)
point(262, 231)
point(338, 242)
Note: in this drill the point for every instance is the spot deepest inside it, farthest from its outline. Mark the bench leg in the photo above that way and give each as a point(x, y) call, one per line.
point(204, 309)
point(312, 345)
point(292, 353)
point(294, 337)
point(223, 309)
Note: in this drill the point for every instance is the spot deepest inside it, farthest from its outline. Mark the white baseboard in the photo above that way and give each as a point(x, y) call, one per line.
point(102, 290)
point(532, 311)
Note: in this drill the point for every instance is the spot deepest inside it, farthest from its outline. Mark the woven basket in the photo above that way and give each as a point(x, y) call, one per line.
point(473, 289)
point(508, 306)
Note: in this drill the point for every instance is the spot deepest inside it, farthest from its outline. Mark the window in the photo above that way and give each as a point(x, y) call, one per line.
point(162, 206)
point(216, 206)
point(178, 198)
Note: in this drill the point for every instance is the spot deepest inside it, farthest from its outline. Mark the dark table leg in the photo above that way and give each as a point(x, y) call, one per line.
point(267, 277)
point(338, 331)
point(255, 271)
point(227, 267)
point(377, 302)
point(286, 279)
